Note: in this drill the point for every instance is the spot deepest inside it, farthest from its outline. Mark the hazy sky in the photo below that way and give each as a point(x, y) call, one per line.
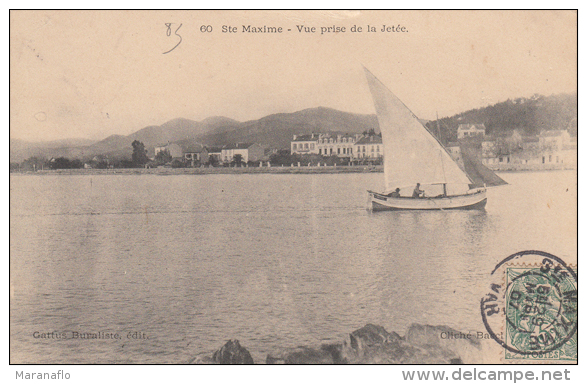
point(90, 74)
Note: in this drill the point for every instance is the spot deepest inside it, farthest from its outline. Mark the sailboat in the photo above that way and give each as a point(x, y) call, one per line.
point(414, 157)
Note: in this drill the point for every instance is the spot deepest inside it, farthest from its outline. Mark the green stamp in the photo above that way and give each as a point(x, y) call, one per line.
point(541, 310)
point(535, 305)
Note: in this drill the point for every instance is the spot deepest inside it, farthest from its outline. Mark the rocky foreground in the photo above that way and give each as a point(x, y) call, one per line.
point(372, 344)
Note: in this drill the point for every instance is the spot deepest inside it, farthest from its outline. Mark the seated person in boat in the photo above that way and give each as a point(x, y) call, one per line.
point(417, 191)
point(394, 193)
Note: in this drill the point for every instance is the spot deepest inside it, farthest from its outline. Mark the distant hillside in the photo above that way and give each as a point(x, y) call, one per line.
point(276, 131)
point(119, 146)
point(20, 149)
point(528, 115)
point(171, 131)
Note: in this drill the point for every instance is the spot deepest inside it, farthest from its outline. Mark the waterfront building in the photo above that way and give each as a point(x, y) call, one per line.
point(248, 151)
point(552, 149)
point(304, 144)
point(175, 150)
point(339, 144)
point(558, 147)
point(325, 144)
point(554, 140)
point(370, 147)
point(195, 154)
point(351, 146)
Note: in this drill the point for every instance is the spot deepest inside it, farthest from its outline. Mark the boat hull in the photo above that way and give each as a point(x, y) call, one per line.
point(379, 202)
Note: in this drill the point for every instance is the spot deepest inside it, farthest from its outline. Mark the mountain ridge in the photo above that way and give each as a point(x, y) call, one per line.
point(276, 130)
point(273, 130)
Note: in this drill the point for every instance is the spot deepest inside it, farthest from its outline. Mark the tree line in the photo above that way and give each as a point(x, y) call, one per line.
point(139, 159)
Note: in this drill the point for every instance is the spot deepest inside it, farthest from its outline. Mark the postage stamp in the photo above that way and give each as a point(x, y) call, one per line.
point(530, 308)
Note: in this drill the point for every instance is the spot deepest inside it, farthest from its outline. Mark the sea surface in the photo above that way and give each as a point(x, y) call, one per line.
point(177, 265)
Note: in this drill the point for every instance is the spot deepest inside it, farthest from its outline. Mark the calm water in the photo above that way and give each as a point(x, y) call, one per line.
point(273, 260)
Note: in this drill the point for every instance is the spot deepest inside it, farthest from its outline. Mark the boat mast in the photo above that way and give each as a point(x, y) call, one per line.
point(440, 140)
point(443, 174)
point(438, 128)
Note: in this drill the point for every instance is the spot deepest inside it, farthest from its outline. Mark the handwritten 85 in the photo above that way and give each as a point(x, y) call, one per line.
point(172, 31)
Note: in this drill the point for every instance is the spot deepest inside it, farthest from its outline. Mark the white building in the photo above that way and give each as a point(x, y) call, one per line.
point(554, 139)
point(304, 144)
point(341, 145)
point(325, 144)
point(368, 147)
point(248, 152)
point(468, 130)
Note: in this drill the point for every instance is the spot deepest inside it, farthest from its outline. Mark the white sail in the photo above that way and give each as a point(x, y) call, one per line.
point(411, 154)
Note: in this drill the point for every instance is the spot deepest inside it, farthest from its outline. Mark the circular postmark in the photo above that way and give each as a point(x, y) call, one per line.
point(530, 307)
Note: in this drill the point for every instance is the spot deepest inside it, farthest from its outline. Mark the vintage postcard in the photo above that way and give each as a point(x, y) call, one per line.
point(293, 187)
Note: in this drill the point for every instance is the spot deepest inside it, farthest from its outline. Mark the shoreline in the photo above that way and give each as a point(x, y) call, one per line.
point(531, 167)
point(258, 170)
point(210, 171)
